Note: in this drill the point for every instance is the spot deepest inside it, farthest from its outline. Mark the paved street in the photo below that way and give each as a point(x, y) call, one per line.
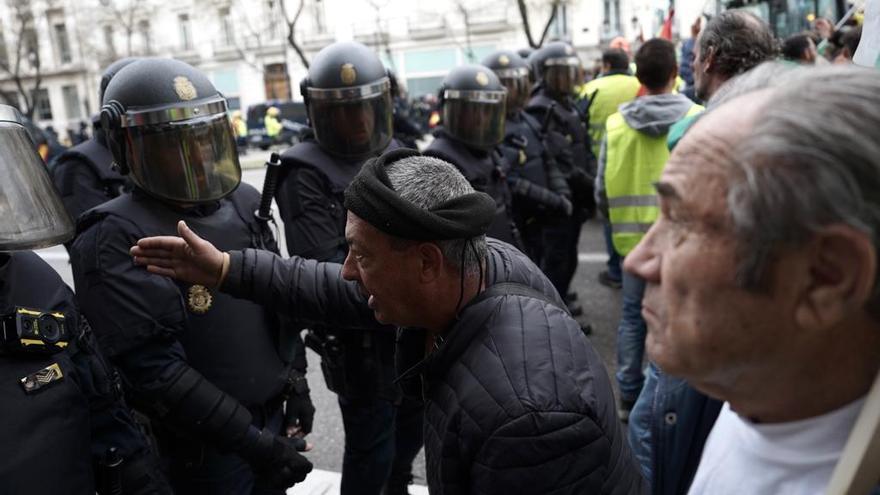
point(601, 307)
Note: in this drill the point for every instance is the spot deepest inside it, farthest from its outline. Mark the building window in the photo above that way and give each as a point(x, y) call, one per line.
point(226, 82)
point(611, 17)
point(416, 87)
point(63, 43)
point(108, 40)
point(276, 82)
point(72, 108)
point(186, 41)
point(146, 37)
point(31, 47)
point(43, 105)
point(441, 59)
point(227, 34)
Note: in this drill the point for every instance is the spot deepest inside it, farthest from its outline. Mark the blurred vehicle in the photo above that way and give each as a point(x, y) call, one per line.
point(787, 18)
point(293, 118)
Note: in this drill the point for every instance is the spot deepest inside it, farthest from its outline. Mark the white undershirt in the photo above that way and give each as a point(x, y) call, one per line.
point(796, 457)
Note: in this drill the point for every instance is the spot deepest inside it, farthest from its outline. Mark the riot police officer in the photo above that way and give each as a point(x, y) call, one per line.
point(406, 131)
point(64, 427)
point(540, 192)
point(556, 68)
point(472, 102)
point(83, 174)
point(206, 368)
point(347, 94)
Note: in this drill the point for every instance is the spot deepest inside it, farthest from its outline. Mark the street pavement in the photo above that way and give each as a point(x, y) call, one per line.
point(601, 310)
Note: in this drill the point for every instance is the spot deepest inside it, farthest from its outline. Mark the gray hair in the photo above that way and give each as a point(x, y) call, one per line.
point(739, 41)
point(767, 75)
point(811, 160)
point(426, 182)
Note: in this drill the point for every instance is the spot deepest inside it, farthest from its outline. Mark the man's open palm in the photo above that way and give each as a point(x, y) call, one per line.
point(188, 258)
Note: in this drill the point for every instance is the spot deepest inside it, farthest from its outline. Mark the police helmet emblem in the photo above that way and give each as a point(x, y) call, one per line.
point(199, 299)
point(184, 88)
point(482, 79)
point(503, 60)
point(347, 74)
point(568, 50)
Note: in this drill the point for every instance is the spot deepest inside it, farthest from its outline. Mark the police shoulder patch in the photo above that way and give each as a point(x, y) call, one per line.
point(43, 378)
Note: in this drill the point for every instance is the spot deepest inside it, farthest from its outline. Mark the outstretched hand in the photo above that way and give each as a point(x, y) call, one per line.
point(188, 258)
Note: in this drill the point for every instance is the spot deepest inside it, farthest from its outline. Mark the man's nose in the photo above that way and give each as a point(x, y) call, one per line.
point(644, 261)
point(348, 270)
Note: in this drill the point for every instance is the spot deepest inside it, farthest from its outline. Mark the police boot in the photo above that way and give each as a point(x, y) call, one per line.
point(398, 485)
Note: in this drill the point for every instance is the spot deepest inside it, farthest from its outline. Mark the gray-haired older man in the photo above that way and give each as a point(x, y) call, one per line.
point(762, 276)
point(517, 401)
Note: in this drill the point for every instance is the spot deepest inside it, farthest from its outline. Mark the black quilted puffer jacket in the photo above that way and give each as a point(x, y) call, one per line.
point(517, 400)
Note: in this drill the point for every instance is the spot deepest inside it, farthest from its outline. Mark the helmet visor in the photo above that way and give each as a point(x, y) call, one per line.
point(32, 215)
point(477, 123)
point(352, 127)
point(518, 89)
point(561, 79)
point(188, 161)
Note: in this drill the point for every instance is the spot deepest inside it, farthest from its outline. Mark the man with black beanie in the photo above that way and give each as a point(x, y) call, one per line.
point(516, 399)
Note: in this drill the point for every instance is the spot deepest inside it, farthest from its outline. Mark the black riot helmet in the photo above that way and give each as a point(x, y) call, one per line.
point(513, 72)
point(166, 125)
point(348, 96)
point(32, 215)
point(557, 66)
point(473, 102)
point(111, 71)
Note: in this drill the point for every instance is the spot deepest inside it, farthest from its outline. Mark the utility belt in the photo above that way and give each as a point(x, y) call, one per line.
point(33, 331)
point(356, 364)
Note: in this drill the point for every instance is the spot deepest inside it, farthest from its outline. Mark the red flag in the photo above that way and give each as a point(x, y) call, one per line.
point(666, 30)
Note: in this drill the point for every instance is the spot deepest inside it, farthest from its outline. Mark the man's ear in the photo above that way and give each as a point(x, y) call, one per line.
point(842, 266)
point(709, 62)
point(432, 263)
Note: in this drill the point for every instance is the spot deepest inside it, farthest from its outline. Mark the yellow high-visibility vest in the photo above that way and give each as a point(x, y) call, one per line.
point(606, 94)
point(633, 162)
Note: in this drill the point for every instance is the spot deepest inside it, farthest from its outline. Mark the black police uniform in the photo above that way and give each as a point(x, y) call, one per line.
point(63, 413)
point(383, 433)
point(540, 191)
point(166, 337)
point(486, 171)
point(204, 367)
point(566, 134)
point(84, 176)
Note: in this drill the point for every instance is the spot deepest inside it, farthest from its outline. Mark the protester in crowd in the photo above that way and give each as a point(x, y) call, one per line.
point(633, 155)
point(800, 48)
point(672, 466)
point(516, 399)
point(614, 87)
point(762, 277)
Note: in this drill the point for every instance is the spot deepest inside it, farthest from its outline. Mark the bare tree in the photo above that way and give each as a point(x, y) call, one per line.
point(23, 67)
point(524, 14)
point(126, 14)
point(291, 29)
point(465, 15)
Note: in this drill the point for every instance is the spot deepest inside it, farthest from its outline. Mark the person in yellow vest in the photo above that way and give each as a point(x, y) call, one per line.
point(239, 129)
point(631, 159)
point(273, 125)
point(614, 87)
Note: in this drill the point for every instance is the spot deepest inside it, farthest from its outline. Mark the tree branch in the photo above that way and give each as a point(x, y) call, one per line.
point(291, 30)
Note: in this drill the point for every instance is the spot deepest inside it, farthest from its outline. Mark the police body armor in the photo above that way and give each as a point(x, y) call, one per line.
point(45, 435)
point(523, 150)
point(566, 129)
point(486, 174)
point(98, 158)
point(231, 342)
point(355, 364)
